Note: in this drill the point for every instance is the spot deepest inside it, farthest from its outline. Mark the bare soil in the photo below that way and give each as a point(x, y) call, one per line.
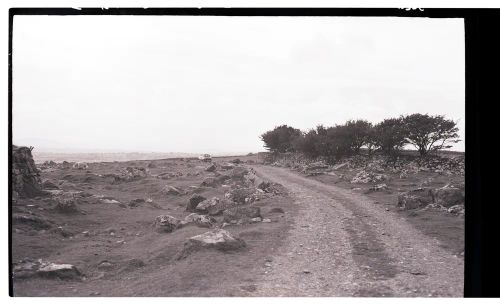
point(328, 241)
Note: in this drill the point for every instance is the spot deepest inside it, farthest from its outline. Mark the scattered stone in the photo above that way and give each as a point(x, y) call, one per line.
point(199, 220)
point(243, 195)
point(414, 199)
point(80, 165)
point(218, 239)
point(193, 202)
point(256, 220)
point(29, 268)
point(66, 205)
point(49, 185)
point(31, 220)
point(105, 266)
point(205, 205)
point(379, 187)
point(211, 168)
point(166, 223)
point(366, 177)
point(277, 210)
point(241, 213)
point(136, 202)
point(457, 209)
point(448, 196)
point(238, 173)
point(171, 190)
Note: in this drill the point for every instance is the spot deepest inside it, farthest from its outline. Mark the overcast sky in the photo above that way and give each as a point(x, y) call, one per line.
point(214, 84)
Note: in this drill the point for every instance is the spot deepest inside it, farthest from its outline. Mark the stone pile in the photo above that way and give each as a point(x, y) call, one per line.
point(26, 181)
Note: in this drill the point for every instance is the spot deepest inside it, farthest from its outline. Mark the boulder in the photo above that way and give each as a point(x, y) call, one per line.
point(379, 187)
point(199, 220)
point(366, 177)
point(34, 221)
point(166, 223)
point(49, 185)
point(214, 181)
point(241, 213)
point(448, 196)
point(457, 209)
point(242, 195)
point(193, 202)
point(136, 202)
point(211, 168)
point(171, 190)
point(315, 166)
point(66, 205)
point(238, 173)
point(207, 204)
point(26, 180)
point(414, 199)
point(236, 161)
point(218, 239)
point(227, 166)
point(80, 165)
point(39, 268)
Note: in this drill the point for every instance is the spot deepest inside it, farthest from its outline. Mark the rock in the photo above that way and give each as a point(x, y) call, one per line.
point(26, 180)
point(256, 220)
point(457, 209)
point(166, 223)
point(414, 199)
point(242, 195)
point(214, 181)
point(29, 268)
point(136, 202)
point(448, 196)
point(379, 187)
point(238, 173)
point(266, 221)
point(366, 177)
point(66, 205)
point(211, 168)
point(200, 220)
point(218, 239)
point(315, 166)
point(205, 205)
point(340, 166)
point(171, 190)
point(105, 266)
point(193, 202)
point(31, 220)
point(80, 165)
point(227, 166)
point(169, 175)
point(241, 213)
point(236, 161)
point(277, 210)
point(49, 185)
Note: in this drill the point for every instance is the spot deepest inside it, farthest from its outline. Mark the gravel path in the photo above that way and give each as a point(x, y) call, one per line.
point(342, 244)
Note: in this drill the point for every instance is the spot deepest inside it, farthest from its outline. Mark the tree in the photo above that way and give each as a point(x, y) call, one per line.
point(390, 135)
point(280, 139)
point(357, 133)
point(430, 133)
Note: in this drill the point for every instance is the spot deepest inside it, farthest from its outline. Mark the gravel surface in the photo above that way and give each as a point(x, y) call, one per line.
point(342, 244)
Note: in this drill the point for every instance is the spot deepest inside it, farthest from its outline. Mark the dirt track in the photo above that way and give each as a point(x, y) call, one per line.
point(343, 244)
